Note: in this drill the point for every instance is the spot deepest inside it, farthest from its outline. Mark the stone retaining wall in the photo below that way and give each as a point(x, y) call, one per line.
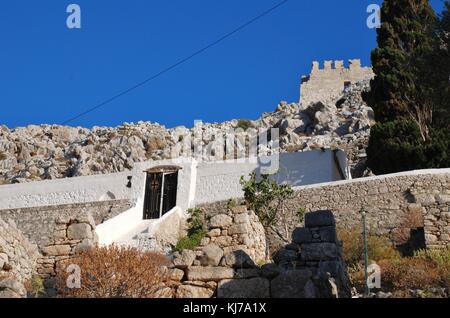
point(17, 260)
point(231, 261)
point(38, 223)
point(396, 205)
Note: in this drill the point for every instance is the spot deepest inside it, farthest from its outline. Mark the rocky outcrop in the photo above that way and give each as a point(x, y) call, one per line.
point(52, 151)
point(17, 261)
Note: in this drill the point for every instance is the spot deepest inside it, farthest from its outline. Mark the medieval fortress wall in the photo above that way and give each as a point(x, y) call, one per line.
point(331, 80)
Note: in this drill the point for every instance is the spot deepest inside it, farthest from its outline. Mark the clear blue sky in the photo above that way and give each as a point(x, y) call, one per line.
point(49, 73)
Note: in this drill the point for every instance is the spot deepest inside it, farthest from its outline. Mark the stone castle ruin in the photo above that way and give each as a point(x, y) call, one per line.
point(331, 80)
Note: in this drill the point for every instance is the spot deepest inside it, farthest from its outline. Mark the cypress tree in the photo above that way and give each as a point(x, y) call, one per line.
point(405, 39)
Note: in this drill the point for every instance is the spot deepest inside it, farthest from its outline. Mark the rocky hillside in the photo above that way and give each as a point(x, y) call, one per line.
point(52, 151)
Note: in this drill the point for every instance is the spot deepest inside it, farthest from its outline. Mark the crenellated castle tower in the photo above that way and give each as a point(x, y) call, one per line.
point(324, 84)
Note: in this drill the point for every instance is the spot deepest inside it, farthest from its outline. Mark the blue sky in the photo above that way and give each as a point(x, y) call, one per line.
point(49, 73)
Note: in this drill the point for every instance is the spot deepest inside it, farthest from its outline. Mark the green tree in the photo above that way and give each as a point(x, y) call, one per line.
point(440, 69)
point(405, 41)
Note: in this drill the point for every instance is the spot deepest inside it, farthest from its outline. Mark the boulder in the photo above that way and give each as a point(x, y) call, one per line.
point(244, 288)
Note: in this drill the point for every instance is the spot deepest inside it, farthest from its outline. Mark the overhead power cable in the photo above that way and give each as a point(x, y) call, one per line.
point(174, 65)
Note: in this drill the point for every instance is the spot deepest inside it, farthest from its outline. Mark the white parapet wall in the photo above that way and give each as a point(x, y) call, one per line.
point(198, 182)
point(219, 181)
point(65, 191)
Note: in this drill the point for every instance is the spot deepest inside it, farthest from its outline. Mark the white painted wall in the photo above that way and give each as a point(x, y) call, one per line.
point(65, 191)
point(218, 181)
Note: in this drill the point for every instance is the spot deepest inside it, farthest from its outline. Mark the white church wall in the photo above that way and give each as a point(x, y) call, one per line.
point(65, 191)
point(218, 181)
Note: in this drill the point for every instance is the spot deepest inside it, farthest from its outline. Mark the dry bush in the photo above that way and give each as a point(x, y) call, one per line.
point(379, 247)
point(409, 273)
point(115, 272)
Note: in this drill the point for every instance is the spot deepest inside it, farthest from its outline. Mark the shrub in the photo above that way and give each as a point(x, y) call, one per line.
point(35, 286)
point(196, 231)
point(379, 247)
point(115, 272)
point(409, 273)
point(244, 124)
point(265, 197)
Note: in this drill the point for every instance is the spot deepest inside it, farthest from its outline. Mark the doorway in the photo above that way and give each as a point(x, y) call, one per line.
point(160, 191)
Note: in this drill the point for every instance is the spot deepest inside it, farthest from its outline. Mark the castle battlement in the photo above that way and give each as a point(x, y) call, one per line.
point(330, 80)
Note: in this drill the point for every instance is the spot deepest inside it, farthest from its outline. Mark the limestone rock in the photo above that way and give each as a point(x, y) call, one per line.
point(79, 231)
point(220, 221)
point(184, 259)
point(189, 291)
point(206, 274)
point(212, 254)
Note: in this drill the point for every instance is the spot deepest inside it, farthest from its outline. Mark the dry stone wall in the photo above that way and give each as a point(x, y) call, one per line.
point(397, 205)
point(39, 223)
point(232, 262)
point(17, 260)
point(71, 234)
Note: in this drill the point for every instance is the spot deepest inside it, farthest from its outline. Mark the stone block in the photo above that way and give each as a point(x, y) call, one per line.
point(57, 250)
point(302, 235)
point(241, 218)
point(238, 229)
point(206, 274)
point(319, 219)
point(328, 234)
point(184, 259)
point(239, 209)
point(293, 284)
point(220, 221)
point(214, 233)
point(176, 274)
point(79, 231)
point(246, 273)
point(319, 252)
point(212, 254)
point(189, 291)
point(270, 270)
point(244, 288)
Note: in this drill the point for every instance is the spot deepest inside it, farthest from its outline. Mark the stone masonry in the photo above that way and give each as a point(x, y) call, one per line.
point(38, 223)
point(17, 260)
point(327, 83)
point(231, 261)
point(71, 234)
point(396, 205)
